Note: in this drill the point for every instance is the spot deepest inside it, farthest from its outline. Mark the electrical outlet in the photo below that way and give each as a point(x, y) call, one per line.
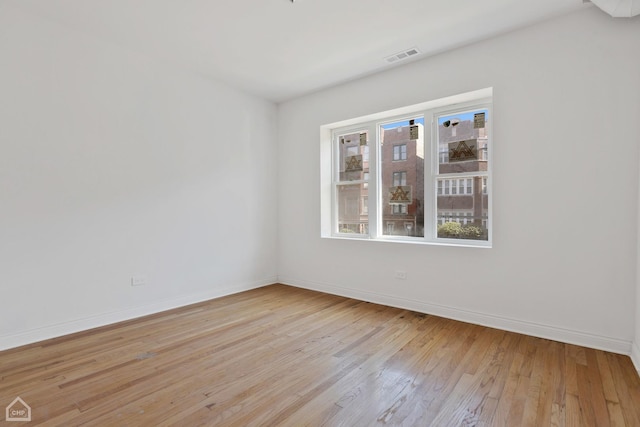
point(401, 274)
point(138, 280)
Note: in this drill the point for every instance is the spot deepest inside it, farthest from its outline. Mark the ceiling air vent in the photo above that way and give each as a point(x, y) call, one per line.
point(401, 56)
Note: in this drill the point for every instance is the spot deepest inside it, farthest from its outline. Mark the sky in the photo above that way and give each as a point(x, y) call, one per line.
point(420, 120)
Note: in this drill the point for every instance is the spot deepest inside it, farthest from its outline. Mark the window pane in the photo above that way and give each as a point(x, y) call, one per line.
point(464, 216)
point(400, 152)
point(352, 209)
point(399, 178)
point(353, 156)
point(464, 139)
point(402, 177)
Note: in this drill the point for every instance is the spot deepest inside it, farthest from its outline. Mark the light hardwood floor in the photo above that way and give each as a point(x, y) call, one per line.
point(281, 356)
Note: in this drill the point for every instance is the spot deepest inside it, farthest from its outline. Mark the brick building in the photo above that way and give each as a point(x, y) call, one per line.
point(403, 166)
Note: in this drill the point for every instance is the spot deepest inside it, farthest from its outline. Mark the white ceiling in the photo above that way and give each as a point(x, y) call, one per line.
point(277, 49)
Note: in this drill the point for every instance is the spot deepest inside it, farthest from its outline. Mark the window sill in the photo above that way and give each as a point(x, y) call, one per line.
point(417, 241)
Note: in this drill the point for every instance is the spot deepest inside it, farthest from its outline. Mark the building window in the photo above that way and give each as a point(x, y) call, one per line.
point(399, 209)
point(400, 152)
point(442, 191)
point(399, 178)
point(453, 187)
point(443, 155)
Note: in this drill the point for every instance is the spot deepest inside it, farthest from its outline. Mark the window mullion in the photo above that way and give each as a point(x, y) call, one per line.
point(430, 181)
point(373, 193)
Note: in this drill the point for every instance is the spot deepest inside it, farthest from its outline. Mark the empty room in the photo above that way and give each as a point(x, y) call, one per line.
point(319, 213)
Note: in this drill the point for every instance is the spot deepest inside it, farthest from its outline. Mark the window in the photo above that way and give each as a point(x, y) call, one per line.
point(352, 178)
point(444, 155)
point(402, 184)
point(400, 152)
point(439, 192)
point(399, 178)
point(460, 186)
point(399, 209)
point(463, 133)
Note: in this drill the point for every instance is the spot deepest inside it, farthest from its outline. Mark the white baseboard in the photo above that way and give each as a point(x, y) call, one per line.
point(78, 325)
point(635, 355)
point(613, 345)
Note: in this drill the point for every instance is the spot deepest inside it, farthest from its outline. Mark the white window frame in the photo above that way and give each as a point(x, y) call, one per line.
point(484, 104)
point(481, 99)
point(335, 183)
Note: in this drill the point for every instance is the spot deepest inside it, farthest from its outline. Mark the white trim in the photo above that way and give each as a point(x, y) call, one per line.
point(635, 355)
point(78, 325)
point(540, 330)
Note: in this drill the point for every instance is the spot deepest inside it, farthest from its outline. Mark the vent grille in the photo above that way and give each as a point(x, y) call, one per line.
point(401, 56)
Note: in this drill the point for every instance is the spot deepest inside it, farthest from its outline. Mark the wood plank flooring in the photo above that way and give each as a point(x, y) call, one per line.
point(281, 356)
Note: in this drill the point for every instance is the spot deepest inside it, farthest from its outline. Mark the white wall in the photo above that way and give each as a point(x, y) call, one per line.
point(635, 351)
point(563, 262)
point(113, 164)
